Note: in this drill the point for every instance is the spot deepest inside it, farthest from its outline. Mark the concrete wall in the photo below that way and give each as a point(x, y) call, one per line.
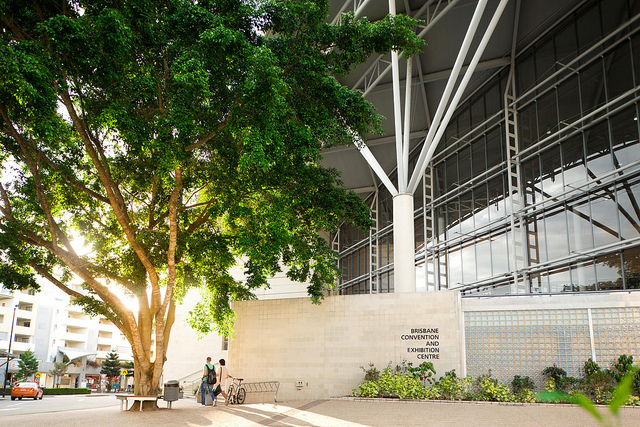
point(323, 346)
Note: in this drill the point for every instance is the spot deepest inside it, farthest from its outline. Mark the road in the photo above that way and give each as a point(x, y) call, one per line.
point(55, 404)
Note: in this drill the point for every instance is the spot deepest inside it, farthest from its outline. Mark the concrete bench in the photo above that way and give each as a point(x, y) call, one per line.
point(124, 399)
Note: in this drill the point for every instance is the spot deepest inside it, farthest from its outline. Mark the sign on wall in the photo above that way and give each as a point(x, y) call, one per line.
point(422, 344)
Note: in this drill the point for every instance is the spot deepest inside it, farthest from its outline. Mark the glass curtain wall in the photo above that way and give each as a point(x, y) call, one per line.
point(577, 114)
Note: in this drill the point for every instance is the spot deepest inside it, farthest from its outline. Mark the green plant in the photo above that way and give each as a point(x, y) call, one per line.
point(518, 384)
point(451, 387)
point(491, 390)
point(423, 372)
point(621, 396)
point(591, 367)
point(61, 391)
point(368, 389)
point(526, 395)
point(372, 373)
point(554, 372)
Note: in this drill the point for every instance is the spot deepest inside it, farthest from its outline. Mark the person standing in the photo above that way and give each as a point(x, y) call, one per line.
point(223, 374)
point(206, 382)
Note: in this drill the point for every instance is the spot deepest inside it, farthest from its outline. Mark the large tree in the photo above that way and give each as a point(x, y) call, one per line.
point(148, 145)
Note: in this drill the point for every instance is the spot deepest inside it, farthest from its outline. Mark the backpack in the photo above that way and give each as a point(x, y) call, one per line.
point(211, 376)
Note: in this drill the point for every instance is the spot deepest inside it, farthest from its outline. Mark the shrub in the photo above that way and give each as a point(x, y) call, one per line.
point(402, 386)
point(371, 374)
point(527, 395)
point(493, 391)
point(554, 372)
point(368, 389)
point(58, 391)
point(450, 387)
point(521, 383)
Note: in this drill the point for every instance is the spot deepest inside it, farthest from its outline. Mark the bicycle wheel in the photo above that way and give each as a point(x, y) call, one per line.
point(241, 395)
point(230, 395)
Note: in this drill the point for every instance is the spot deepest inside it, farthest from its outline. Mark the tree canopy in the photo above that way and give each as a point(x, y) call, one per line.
point(170, 139)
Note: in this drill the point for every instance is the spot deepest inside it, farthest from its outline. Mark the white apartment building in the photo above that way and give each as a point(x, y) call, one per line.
point(46, 323)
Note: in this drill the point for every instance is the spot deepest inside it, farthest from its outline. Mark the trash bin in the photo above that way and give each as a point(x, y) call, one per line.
point(171, 391)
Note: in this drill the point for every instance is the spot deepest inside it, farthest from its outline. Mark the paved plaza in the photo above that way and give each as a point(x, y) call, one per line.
point(330, 413)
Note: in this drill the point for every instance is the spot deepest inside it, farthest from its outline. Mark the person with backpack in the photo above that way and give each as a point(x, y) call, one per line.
point(208, 382)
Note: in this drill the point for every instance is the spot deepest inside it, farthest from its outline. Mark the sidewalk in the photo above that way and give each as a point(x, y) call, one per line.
point(330, 413)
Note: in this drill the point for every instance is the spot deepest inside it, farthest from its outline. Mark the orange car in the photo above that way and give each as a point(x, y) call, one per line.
point(26, 389)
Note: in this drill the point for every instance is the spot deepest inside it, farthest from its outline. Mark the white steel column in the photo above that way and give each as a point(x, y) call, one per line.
point(404, 266)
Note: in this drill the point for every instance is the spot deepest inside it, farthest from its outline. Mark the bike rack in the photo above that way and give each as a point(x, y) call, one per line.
point(263, 387)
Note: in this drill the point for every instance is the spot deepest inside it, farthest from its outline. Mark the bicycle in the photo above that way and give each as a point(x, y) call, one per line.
point(236, 392)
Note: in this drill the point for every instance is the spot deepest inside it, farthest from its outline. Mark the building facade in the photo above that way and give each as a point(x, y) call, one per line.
point(56, 331)
point(535, 184)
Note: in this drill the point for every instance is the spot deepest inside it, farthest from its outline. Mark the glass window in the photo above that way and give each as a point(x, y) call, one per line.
point(545, 59)
point(619, 74)
point(629, 209)
point(566, 44)
point(468, 254)
point(454, 267)
point(551, 172)
point(466, 213)
point(578, 218)
point(635, 47)
point(499, 254)
point(556, 228)
point(560, 280)
point(525, 73)
point(464, 164)
point(478, 156)
point(531, 174)
point(463, 121)
point(497, 196)
point(452, 172)
point(536, 239)
point(604, 218)
point(632, 268)
point(539, 282)
point(439, 179)
point(613, 13)
point(583, 276)
point(592, 86)
point(477, 115)
point(608, 272)
point(495, 149)
point(589, 30)
point(483, 251)
point(624, 132)
point(575, 173)
point(599, 160)
point(493, 99)
point(441, 223)
point(528, 125)
point(453, 218)
point(480, 206)
point(568, 102)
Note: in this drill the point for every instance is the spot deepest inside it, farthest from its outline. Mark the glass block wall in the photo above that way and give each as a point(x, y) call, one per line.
point(524, 342)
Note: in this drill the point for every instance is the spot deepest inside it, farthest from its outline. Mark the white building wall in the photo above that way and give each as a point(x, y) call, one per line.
point(323, 346)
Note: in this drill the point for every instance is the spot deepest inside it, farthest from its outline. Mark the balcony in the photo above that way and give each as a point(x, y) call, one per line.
point(23, 330)
point(26, 314)
point(21, 346)
point(78, 323)
point(72, 337)
point(105, 341)
point(5, 294)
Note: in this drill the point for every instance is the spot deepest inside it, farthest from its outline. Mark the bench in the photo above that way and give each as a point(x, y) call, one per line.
point(124, 399)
